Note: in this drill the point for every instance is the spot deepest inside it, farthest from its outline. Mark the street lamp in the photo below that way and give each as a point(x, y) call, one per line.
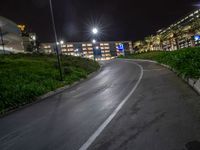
point(56, 39)
point(94, 41)
point(95, 31)
point(61, 42)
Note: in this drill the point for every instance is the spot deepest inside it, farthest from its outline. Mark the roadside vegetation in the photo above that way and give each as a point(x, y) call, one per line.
point(23, 78)
point(185, 61)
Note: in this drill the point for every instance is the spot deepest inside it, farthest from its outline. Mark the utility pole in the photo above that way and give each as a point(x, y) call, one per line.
point(56, 39)
point(2, 41)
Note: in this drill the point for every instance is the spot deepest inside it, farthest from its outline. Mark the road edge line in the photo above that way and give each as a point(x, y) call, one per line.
point(100, 129)
point(193, 83)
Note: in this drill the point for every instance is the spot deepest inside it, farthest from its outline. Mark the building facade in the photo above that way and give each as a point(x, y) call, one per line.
point(180, 34)
point(29, 39)
point(99, 50)
point(10, 37)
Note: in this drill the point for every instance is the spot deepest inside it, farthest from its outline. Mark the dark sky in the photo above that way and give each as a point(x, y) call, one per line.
point(117, 19)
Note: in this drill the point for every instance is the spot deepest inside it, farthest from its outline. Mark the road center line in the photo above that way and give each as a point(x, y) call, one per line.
point(93, 137)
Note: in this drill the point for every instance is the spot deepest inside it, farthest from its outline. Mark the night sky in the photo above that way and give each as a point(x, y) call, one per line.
point(117, 19)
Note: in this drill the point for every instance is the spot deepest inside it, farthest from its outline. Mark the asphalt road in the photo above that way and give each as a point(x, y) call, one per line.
point(127, 106)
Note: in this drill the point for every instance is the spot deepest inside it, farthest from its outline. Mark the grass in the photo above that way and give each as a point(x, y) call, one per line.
point(26, 77)
point(185, 61)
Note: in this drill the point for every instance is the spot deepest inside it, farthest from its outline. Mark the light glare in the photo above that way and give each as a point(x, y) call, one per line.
point(61, 42)
point(94, 30)
point(94, 41)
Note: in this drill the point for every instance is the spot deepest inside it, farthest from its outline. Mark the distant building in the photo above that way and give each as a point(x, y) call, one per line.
point(184, 41)
point(29, 42)
point(10, 37)
point(100, 50)
point(47, 48)
point(29, 39)
point(181, 22)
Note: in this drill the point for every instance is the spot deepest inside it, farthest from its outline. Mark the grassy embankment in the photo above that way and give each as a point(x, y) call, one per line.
point(25, 77)
point(185, 61)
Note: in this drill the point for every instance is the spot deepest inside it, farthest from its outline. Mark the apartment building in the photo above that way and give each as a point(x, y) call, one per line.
point(184, 40)
point(105, 50)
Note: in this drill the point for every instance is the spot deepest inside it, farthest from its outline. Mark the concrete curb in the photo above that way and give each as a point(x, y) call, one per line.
point(59, 90)
point(194, 83)
point(49, 94)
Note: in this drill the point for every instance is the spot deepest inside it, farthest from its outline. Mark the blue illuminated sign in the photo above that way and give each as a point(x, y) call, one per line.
point(197, 37)
point(120, 47)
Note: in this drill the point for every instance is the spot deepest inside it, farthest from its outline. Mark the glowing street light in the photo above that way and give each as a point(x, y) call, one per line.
point(61, 42)
point(94, 41)
point(95, 31)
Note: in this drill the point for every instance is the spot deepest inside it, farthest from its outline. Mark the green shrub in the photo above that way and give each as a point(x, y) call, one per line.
point(185, 61)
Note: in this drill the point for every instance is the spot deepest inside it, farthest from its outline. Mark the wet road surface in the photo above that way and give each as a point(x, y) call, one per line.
point(155, 115)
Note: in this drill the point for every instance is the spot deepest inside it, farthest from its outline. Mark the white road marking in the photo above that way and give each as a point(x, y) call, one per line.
point(93, 137)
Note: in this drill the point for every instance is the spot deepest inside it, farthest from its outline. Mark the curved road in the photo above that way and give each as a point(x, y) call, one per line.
point(127, 105)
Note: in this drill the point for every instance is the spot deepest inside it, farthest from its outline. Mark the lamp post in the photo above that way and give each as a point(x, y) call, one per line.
point(56, 40)
point(95, 31)
point(2, 41)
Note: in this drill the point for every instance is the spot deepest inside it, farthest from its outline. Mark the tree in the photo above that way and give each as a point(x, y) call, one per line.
point(149, 41)
point(138, 45)
point(158, 41)
point(174, 35)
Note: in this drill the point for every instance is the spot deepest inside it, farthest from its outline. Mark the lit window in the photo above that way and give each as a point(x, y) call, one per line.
point(69, 45)
point(63, 45)
point(90, 48)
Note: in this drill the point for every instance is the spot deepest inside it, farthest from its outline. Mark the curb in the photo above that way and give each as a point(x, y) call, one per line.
point(194, 83)
point(49, 94)
point(59, 90)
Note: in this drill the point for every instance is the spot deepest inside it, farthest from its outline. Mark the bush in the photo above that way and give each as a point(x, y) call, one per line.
point(185, 61)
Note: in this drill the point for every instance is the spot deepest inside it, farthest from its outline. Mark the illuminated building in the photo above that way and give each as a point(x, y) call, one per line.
point(29, 39)
point(47, 48)
point(11, 39)
point(92, 50)
point(185, 40)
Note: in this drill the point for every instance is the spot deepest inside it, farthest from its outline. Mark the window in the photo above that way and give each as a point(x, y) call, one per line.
point(69, 45)
point(48, 46)
point(63, 45)
point(107, 47)
point(89, 44)
point(90, 48)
